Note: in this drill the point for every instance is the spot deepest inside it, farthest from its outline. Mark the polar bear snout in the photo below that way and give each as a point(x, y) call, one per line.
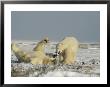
point(58, 52)
point(46, 41)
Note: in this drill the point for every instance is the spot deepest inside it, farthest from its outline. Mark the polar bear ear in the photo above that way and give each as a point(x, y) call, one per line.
point(46, 40)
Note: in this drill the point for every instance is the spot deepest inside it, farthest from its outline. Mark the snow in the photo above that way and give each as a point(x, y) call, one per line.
point(87, 63)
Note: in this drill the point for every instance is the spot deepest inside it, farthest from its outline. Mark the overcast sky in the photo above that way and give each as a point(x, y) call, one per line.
point(34, 25)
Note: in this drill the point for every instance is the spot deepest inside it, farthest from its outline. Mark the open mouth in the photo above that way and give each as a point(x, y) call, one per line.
point(47, 41)
point(58, 53)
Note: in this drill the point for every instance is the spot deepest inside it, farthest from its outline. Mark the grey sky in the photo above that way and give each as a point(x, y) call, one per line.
point(29, 25)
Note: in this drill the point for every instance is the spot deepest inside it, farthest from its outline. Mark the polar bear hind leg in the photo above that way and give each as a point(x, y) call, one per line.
point(19, 53)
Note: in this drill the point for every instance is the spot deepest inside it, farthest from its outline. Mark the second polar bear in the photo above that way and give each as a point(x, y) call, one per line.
point(67, 49)
point(38, 56)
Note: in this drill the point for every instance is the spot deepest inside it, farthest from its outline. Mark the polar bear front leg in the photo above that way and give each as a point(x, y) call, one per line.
point(69, 57)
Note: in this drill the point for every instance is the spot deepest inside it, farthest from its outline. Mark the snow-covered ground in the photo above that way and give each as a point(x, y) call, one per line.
point(87, 63)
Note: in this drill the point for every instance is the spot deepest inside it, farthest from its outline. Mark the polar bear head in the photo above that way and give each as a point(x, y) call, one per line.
point(41, 45)
point(60, 48)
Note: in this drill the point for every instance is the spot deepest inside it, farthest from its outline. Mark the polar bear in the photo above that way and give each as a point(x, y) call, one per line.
point(67, 50)
point(36, 57)
point(41, 45)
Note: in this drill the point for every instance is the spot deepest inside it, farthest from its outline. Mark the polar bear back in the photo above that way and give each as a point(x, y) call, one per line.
point(70, 42)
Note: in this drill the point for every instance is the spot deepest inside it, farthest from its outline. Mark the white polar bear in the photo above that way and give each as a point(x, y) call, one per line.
point(67, 49)
point(38, 56)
